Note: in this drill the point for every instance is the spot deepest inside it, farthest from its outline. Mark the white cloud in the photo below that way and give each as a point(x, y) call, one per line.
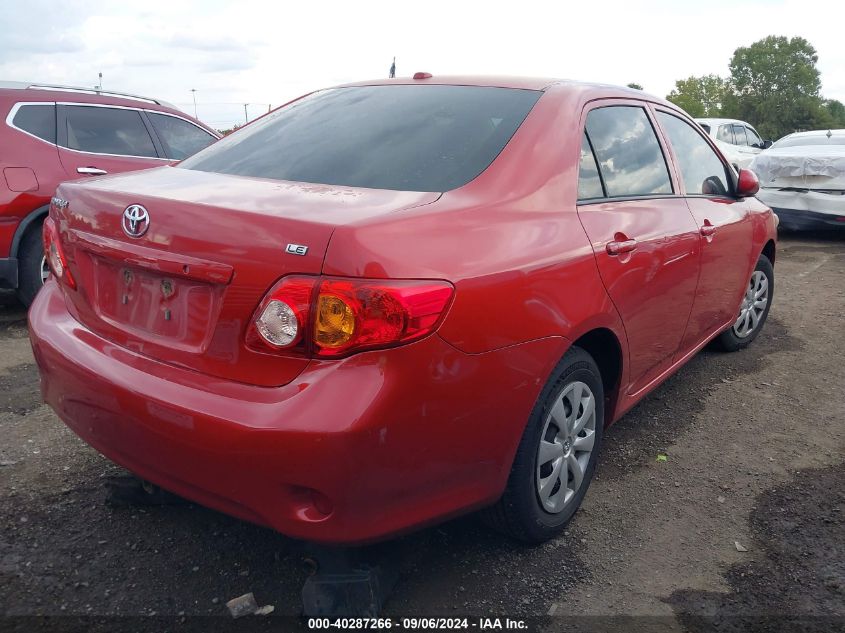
point(265, 53)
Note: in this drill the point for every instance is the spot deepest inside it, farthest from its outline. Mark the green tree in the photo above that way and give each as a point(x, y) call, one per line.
point(775, 85)
point(635, 86)
point(836, 110)
point(700, 96)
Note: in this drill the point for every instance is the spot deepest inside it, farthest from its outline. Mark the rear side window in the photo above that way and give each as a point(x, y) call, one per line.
point(39, 120)
point(400, 137)
point(702, 170)
point(725, 134)
point(628, 153)
point(108, 131)
point(180, 138)
point(589, 182)
point(739, 135)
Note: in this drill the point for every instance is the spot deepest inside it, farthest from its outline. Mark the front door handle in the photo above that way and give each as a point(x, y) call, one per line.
point(617, 247)
point(91, 171)
point(707, 229)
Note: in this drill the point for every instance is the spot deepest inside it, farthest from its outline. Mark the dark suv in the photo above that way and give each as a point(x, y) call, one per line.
point(55, 133)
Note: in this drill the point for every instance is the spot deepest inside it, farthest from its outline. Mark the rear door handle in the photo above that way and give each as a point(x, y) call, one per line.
point(91, 171)
point(619, 247)
point(707, 229)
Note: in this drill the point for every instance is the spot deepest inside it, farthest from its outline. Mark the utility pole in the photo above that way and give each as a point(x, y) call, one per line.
point(100, 86)
point(194, 93)
point(246, 116)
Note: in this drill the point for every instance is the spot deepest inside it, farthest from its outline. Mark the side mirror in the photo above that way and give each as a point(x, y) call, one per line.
point(766, 145)
point(747, 184)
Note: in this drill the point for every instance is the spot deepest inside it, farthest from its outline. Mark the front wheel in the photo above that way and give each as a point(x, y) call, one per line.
point(753, 310)
point(557, 454)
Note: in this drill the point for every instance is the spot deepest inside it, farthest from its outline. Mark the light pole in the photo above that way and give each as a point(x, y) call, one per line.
point(246, 116)
point(194, 93)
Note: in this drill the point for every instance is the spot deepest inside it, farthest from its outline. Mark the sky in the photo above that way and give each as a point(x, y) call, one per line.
point(267, 53)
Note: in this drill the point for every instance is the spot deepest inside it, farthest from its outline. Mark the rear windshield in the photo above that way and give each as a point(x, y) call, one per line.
point(800, 141)
point(401, 137)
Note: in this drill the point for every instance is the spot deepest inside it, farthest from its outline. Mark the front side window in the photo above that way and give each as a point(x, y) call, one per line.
point(628, 153)
point(589, 182)
point(108, 131)
point(753, 138)
point(739, 135)
point(725, 134)
point(180, 138)
point(702, 170)
point(399, 137)
point(39, 120)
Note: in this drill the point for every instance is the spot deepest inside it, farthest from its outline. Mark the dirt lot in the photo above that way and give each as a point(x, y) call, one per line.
point(741, 527)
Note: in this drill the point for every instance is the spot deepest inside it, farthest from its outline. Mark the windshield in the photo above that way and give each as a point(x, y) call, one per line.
point(401, 137)
point(796, 141)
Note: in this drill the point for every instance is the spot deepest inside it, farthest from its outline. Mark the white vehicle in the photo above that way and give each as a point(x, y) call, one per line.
point(737, 140)
point(802, 178)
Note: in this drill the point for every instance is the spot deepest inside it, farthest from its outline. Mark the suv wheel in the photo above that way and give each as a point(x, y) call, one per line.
point(32, 265)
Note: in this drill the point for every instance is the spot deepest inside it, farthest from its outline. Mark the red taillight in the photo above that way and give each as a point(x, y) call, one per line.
point(359, 314)
point(332, 317)
point(55, 254)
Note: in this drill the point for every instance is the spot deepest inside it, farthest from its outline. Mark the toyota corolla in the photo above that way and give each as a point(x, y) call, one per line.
point(389, 303)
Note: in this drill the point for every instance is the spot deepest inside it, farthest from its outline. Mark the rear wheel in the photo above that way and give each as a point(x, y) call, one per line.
point(753, 310)
point(557, 454)
point(32, 266)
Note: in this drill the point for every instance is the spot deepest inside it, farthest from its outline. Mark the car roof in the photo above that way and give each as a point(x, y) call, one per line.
point(816, 133)
point(58, 92)
point(717, 121)
point(590, 90)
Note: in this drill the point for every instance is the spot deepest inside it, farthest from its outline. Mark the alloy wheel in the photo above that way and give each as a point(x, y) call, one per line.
point(45, 270)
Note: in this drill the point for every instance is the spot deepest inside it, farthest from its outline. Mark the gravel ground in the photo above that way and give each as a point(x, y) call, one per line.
point(742, 526)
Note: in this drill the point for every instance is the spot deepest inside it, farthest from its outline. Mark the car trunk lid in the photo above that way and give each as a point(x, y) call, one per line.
point(185, 291)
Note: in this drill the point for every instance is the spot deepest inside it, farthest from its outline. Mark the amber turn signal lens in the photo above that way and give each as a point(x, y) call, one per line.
point(335, 322)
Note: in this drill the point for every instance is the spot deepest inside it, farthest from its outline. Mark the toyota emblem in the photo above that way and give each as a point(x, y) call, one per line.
point(136, 220)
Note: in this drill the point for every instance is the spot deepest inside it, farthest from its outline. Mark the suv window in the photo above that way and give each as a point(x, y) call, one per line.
point(400, 137)
point(589, 181)
point(753, 138)
point(180, 138)
point(39, 120)
point(702, 170)
point(739, 134)
point(108, 131)
point(725, 134)
point(628, 153)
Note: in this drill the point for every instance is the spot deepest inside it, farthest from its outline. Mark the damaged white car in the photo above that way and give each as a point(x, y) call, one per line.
point(802, 178)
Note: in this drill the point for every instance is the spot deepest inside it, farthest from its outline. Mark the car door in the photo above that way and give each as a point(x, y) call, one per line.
point(743, 144)
point(643, 236)
point(95, 140)
point(724, 225)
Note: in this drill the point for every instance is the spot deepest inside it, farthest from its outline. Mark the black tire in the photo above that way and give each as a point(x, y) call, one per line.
point(30, 254)
point(730, 340)
point(520, 513)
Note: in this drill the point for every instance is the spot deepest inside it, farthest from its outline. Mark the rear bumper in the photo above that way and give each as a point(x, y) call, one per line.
point(351, 451)
point(9, 273)
point(805, 210)
point(795, 220)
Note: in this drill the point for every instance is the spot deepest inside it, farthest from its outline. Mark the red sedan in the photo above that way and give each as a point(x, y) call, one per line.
point(389, 303)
